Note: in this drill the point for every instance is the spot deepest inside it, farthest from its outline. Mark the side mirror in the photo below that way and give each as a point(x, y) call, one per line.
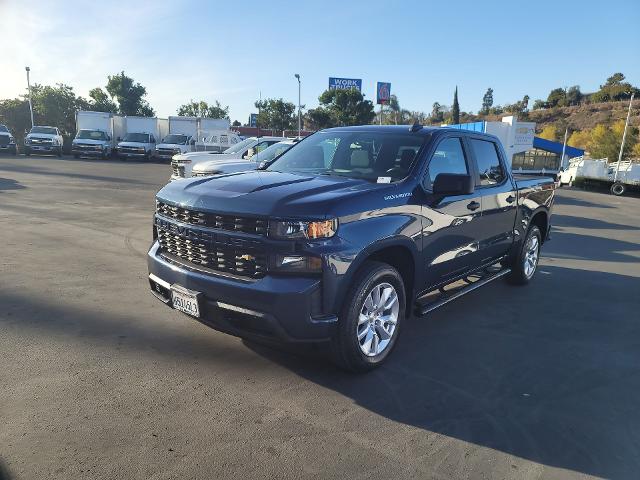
point(249, 153)
point(108, 138)
point(453, 184)
point(119, 139)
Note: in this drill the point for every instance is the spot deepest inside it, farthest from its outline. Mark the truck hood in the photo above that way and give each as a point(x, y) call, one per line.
point(132, 144)
point(265, 193)
point(221, 162)
point(89, 141)
point(47, 136)
point(169, 145)
point(197, 157)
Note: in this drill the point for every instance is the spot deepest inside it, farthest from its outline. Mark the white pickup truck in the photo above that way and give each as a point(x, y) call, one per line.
point(182, 165)
point(43, 140)
point(7, 142)
point(137, 145)
point(173, 144)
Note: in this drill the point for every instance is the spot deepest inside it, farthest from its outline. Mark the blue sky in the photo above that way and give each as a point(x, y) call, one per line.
point(231, 51)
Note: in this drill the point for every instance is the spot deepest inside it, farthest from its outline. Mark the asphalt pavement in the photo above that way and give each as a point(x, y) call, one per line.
point(100, 380)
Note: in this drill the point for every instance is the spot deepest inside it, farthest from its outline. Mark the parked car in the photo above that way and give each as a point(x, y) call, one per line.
point(218, 167)
point(7, 142)
point(137, 145)
point(340, 238)
point(42, 139)
point(182, 164)
point(173, 144)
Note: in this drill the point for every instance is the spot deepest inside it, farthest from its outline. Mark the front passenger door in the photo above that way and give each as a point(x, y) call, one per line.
point(450, 223)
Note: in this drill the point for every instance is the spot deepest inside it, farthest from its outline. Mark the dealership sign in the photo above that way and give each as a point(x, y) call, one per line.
point(383, 92)
point(345, 83)
point(524, 133)
point(253, 120)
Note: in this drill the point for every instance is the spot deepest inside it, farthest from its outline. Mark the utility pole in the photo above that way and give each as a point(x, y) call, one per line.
point(299, 111)
point(29, 88)
point(624, 137)
point(564, 146)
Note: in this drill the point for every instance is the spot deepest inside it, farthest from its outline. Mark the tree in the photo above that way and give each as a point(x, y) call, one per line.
point(394, 106)
point(630, 141)
point(549, 132)
point(614, 89)
point(580, 139)
point(276, 114)
point(574, 95)
point(455, 108)
point(101, 102)
point(236, 123)
point(525, 103)
point(317, 119)
point(129, 95)
point(14, 113)
point(539, 104)
point(557, 98)
point(437, 114)
point(57, 106)
point(203, 109)
point(603, 143)
point(487, 101)
point(343, 108)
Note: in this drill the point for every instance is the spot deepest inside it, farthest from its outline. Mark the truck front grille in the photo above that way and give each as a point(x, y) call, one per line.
point(4, 140)
point(232, 223)
point(167, 152)
point(243, 261)
point(178, 170)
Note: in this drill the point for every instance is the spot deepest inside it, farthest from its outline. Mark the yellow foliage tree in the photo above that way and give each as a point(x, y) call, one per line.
point(580, 139)
point(550, 132)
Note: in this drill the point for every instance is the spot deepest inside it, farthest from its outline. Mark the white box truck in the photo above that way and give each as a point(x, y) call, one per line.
point(142, 135)
point(182, 134)
point(96, 134)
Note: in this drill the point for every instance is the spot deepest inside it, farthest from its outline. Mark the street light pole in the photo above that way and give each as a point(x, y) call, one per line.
point(299, 107)
point(29, 88)
point(624, 137)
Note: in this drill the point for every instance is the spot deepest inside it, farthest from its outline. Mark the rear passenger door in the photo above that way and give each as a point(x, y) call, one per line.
point(498, 197)
point(450, 223)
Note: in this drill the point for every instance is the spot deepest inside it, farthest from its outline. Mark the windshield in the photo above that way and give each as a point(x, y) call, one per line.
point(271, 152)
point(239, 147)
point(45, 130)
point(175, 139)
point(136, 137)
point(3, 128)
point(91, 135)
point(374, 156)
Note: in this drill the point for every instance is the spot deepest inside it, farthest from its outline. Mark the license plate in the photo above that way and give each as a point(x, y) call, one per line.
point(185, 300)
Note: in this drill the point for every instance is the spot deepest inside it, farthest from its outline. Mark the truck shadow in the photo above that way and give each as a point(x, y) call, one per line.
point(560, 199)
point(548, 373)
point(10, 184)
point(589, 223)
point(46, 172)
point(589, 247)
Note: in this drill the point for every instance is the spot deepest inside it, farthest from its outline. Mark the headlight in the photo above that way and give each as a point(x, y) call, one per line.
point(292, 229)
point(27, 141)
point(298, 264)
point(12, 140)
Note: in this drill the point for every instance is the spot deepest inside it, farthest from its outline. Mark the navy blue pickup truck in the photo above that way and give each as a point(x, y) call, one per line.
point(344, 236)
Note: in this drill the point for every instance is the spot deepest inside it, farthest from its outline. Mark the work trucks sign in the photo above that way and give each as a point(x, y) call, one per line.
point(345, 83)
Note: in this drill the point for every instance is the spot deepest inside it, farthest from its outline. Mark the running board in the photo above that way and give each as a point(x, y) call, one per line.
point(423, 309)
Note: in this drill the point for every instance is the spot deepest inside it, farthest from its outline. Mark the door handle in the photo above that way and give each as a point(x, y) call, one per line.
point(473, 205)
point(510, 199)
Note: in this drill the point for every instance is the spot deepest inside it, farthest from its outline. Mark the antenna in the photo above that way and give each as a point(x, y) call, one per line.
point(415, 127)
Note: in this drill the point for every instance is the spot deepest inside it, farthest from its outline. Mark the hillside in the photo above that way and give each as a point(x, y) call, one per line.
point(581, 117)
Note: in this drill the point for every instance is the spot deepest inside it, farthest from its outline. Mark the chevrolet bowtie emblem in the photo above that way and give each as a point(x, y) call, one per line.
point(247, 257)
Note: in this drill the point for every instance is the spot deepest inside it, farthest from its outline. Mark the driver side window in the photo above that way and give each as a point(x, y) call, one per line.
point(448, 158)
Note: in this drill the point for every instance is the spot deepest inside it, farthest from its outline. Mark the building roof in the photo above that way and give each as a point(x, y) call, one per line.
point(556, 147)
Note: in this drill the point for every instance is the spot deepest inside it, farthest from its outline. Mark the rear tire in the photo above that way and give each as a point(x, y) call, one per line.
point(618, 189)
point(370, 319)
point(525, 263)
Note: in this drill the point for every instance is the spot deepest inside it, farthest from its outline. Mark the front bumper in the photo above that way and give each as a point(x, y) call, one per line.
point(276, 308)
point(43, 148)
point(85, 152)
point(10, 147)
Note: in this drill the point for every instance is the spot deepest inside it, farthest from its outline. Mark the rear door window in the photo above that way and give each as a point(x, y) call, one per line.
point(489, 166)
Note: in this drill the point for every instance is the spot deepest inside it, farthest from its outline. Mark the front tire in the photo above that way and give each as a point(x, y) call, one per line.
point(525, 263)
point(370, 318)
